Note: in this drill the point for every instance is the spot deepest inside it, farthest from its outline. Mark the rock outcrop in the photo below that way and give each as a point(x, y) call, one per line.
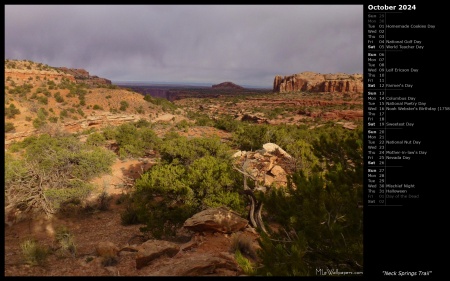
point(220, 219)
point(269, 165)
point(82, 76)
point(316, 82)
point(249, 117)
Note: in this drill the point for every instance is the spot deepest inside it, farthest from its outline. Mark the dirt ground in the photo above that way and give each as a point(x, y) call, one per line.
point(90, 229)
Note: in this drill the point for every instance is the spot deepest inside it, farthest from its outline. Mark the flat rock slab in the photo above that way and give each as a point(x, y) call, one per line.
point(202, 265)
point(153, 249)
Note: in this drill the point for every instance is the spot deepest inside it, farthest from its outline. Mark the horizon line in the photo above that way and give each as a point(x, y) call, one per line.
point(202, 84)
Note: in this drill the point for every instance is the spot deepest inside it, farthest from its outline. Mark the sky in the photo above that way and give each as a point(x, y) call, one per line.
point(245, 44)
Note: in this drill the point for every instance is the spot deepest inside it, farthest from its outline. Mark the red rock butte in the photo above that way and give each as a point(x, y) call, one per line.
point(317, 82)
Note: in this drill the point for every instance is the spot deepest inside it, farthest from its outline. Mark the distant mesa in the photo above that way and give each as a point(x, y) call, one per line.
point(227, 86)
point(317, 82)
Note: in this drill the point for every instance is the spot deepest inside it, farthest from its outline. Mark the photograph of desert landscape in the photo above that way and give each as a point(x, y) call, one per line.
point(183, 140)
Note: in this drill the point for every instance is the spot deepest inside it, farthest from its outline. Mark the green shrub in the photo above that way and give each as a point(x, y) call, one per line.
point(91, 162)
point(244, 263)
point(243, 244)
point(58, 97)
point(272, 114)
point(109, 133)
point(183, 125)
point(142, 123)
point(129, 216)
point(194, 174)
point(97, 107)
point(64, 113)
point(21, 90)
point(43, 100)
point(123, 105)
point(75, 191)
point(80, 111)
point(104, 201)
point(250, 137)
point(11, 111)
point(42, 113)
point(140, 109)
point(135, 141)
point(51, 83)
point(61, 166)
point(9, 127)
point(33, 252)
point(227, 123)
point(126, 134)
point(53, 119)
point(96, 139)
point(38, 123)
point(66, 242)
point(319, 210)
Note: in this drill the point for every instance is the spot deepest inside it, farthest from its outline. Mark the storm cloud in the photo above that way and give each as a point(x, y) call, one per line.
point(245, 44)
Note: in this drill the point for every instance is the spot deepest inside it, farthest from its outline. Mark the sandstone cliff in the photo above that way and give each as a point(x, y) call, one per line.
point(316, 82)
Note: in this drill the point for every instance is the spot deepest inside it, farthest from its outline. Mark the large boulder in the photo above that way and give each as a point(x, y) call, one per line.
point(219, 219)
point(275, 148)
point(106, 249)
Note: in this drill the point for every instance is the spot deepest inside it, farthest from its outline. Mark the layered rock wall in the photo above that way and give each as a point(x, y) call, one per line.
point(23, 75)
point(316, 82)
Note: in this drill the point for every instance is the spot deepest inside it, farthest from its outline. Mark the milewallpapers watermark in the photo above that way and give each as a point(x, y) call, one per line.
point(335, 272)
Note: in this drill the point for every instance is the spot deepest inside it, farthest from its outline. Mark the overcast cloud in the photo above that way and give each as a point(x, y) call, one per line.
point(244, 44)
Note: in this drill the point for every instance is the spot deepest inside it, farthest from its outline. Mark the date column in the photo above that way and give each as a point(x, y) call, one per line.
point(375, 110)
